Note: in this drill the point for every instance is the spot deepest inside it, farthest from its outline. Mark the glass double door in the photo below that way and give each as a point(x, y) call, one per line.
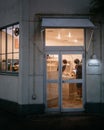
point(64, 81)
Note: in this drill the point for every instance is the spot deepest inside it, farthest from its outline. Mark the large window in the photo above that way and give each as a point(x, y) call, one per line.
point(9, 49)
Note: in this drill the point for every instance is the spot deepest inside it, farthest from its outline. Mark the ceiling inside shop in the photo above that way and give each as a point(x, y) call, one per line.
point(66, 37)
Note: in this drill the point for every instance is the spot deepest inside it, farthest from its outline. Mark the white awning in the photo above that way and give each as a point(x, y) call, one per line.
point(67, 22)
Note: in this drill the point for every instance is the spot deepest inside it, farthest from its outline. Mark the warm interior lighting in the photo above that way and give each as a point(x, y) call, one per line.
point(64, 37)
point(75, 40)
point(69, 34)
point(59, 36)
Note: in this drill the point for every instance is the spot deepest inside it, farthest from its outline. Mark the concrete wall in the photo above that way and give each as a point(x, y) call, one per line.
point(102, 56)
point(58, 7)
point(9, 14)
point(9, 88)
point(94, 70)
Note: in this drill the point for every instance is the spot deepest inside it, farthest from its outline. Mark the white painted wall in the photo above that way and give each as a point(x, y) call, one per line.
point(93, 88)
point(58, 7)
point(94, 71)
point(102, 56)
point(9, 88)
point(9, 12)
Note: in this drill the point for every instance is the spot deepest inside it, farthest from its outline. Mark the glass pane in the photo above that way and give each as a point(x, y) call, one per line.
point(52, 95)
point(72, 95)
point(9, 62)
point(16, 56)
point(15, 62)
point(2, 63)
point(64, 37)
point(9, 39)
point(52, 66)
point(71, 66)
point(16, 44)
point(3, 41)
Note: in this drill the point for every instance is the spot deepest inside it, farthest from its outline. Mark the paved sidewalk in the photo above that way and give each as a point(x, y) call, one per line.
point(63, 121)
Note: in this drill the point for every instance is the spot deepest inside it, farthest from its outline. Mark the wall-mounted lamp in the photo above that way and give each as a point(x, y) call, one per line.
point(93, 56)
point(16, 31)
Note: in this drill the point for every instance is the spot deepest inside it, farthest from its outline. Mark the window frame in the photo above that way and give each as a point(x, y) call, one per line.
point(12, 53)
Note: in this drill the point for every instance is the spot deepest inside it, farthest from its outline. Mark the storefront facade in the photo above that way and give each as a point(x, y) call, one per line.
point(41, 46)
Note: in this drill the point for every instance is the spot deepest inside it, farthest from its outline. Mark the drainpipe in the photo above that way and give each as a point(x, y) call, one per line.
point(38, 37)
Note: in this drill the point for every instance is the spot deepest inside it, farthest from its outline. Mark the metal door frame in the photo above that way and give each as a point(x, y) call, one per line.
point(59, 81)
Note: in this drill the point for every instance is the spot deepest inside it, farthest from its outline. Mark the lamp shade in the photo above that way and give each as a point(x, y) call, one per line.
point(93, 56)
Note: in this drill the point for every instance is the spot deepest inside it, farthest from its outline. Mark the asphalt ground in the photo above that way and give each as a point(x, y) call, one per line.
point(54, 121)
